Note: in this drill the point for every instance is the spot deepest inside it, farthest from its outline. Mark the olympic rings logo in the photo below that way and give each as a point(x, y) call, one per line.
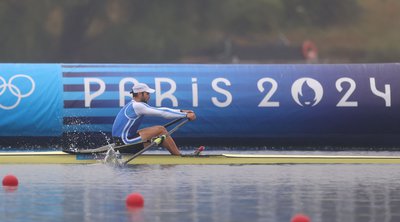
point(15, 90)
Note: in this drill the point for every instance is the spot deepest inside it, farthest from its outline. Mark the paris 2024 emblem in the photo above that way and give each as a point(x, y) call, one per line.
point(307, 92)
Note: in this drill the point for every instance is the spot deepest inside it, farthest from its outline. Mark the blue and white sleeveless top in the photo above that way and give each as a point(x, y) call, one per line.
point(131, 115)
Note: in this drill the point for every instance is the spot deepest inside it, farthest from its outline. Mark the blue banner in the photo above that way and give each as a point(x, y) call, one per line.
point(30, 100)
point(231, 101)
point(242, 101)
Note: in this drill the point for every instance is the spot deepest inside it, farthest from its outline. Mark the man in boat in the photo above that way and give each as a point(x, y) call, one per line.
point(126, 124)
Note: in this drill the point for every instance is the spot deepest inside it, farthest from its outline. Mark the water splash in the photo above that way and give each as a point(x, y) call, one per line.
point(108, 139)
point(113, 158)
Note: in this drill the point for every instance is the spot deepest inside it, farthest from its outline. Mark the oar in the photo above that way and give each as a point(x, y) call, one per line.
point(125, 146)
point(156, 141)
point(107, 147)
point(173, 122)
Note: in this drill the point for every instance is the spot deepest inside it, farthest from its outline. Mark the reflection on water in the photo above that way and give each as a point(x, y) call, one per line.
point(203, 193)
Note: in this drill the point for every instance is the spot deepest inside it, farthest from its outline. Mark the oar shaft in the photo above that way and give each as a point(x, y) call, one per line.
point(156, 141)
point(177, 127)
point(166, 125)
point(107, 147)
point(173, 122)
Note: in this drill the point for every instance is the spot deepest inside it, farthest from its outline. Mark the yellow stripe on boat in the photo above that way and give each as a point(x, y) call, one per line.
point(58, 157)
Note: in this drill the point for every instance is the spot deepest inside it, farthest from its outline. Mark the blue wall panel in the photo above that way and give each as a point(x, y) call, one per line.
point(231, 101)
point(245, 100)
point(30, 100)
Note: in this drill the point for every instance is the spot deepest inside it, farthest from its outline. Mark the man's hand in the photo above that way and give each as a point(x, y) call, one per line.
point(191, 116)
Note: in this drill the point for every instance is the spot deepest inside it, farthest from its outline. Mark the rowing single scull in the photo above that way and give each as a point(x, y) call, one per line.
point(59, 157)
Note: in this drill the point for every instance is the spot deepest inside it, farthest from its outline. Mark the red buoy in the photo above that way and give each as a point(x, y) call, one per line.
point(300, 218)
point(10, 180)
point(134, 200)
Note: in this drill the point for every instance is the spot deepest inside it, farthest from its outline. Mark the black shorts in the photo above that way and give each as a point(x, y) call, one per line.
point(118, 141)
point(133, 149)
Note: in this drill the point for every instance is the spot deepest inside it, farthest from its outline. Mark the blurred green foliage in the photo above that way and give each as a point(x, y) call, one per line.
point(320, 13)
point(135, 31)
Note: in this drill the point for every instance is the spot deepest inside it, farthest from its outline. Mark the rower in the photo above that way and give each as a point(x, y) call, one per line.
point(126, 124)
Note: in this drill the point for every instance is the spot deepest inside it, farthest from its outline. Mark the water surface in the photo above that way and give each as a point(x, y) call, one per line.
point(97, 192)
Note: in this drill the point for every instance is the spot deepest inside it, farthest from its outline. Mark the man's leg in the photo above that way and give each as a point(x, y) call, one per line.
point(169, 143)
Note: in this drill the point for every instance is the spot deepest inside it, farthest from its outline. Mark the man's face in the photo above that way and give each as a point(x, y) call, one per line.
point(144, 97)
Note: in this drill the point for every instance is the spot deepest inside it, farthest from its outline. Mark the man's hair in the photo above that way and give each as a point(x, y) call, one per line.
point(135, 94)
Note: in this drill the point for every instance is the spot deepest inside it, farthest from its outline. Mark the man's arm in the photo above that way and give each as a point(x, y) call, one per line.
point(144, 109)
